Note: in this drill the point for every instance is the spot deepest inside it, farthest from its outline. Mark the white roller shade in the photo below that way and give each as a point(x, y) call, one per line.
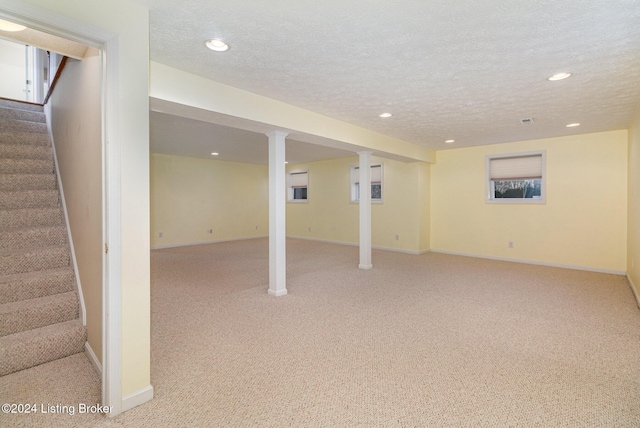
point(299, 179)
point(516, 168)
point(376, 174)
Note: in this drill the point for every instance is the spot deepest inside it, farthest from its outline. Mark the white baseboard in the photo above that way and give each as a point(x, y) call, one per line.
point(353, 244)
point(137, 398)
point(633, 289)
point(188, 244)
point(531, 262)
point(93, 359)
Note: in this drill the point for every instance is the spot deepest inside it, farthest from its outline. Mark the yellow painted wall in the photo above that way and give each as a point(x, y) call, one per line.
point(75, 109)
point(583, 222)
point(633, 237)
point(127, 22)
point(190, 196)
point(331, 216)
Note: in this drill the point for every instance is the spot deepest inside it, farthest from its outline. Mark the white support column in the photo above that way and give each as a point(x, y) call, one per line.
point(365, 210)
point(277, 215)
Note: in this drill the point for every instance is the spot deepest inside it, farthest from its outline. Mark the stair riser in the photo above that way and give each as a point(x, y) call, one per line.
point(15, 114)
point(35, 217)
point(28, 199)
point(21, 106)
point(32, 238)
point(30, 351)
point(16, 182)
point(16, 151)
point(26, 166)
point(25, 138)
point(37, 286)
point(22, 126)
point(20, 317)
point(23, 262)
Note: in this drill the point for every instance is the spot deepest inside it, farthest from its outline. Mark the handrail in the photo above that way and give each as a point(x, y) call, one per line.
point(55, 78)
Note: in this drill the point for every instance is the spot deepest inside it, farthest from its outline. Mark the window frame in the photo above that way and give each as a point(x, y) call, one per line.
point(353, 185)
point(290, 188)
point(489, 189)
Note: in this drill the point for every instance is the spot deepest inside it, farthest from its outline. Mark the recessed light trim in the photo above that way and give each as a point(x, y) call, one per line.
point(217, 45)
point(10, 26)
point(215, 154)
point(385, 115)
point(559, 76)
point(450, 141)
point(573, 125)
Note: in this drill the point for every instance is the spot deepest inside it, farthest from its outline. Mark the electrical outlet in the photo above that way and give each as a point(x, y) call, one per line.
point(160, 235)
point(309, 228)
point(256, 227)
point(397, 237)
point(510, 244)
point(210, 231)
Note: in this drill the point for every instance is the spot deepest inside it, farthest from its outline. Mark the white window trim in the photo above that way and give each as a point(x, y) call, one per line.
point(290, 188)
point(489, 198)
point(352, 184)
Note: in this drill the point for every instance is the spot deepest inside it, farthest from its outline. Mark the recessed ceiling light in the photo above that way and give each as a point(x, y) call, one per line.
point(215, 154)
point(10, 26)
point(573, 125)
point(559, 76)
point(217, 45)
point(450, 141)
point(386, 115)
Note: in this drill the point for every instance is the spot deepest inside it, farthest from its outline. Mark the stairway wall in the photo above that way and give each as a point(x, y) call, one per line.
point(75, 121)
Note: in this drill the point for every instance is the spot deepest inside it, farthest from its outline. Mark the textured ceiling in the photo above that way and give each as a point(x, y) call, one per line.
point(467, 70)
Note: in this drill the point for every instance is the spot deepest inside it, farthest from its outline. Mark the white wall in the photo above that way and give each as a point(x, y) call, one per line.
point(75, 115)
point(12, 70)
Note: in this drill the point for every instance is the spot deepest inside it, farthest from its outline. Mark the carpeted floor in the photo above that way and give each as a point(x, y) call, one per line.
point(418, 341)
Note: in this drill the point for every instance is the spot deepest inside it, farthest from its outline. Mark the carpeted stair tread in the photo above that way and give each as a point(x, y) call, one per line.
point(26, 166)
point(25, 151)
point(26, 138)
point(33, 259)
point(28, 199)
point(14, 182)
point(31, 217)
point(20, 114)
point(34, 347)
point(21, 105)
point(31, 237)
point(39, 312)
point(31, 285)
point(23, 126)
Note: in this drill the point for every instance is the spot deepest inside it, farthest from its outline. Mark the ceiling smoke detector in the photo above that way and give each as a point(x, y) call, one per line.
point(526, 121)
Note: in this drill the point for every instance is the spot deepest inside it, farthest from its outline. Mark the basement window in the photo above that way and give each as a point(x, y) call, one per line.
point(298, 186)
point(516, 178)
point(376, 183)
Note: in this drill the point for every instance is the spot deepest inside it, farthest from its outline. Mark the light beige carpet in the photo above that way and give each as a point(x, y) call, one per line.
point(418, 341)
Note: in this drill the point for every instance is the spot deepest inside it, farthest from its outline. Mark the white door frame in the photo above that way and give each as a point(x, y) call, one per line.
point(63, 26)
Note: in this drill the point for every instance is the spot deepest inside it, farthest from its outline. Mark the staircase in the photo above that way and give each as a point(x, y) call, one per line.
point(39, 307)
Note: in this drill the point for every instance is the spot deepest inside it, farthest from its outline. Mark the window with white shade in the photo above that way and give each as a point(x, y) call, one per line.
point(376, 183)
point(298, 185)
point(516, 178)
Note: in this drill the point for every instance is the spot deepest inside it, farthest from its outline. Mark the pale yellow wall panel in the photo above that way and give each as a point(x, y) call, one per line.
point(191, 196)
point(633, 237)
point(75, 109)
point(582, 223)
